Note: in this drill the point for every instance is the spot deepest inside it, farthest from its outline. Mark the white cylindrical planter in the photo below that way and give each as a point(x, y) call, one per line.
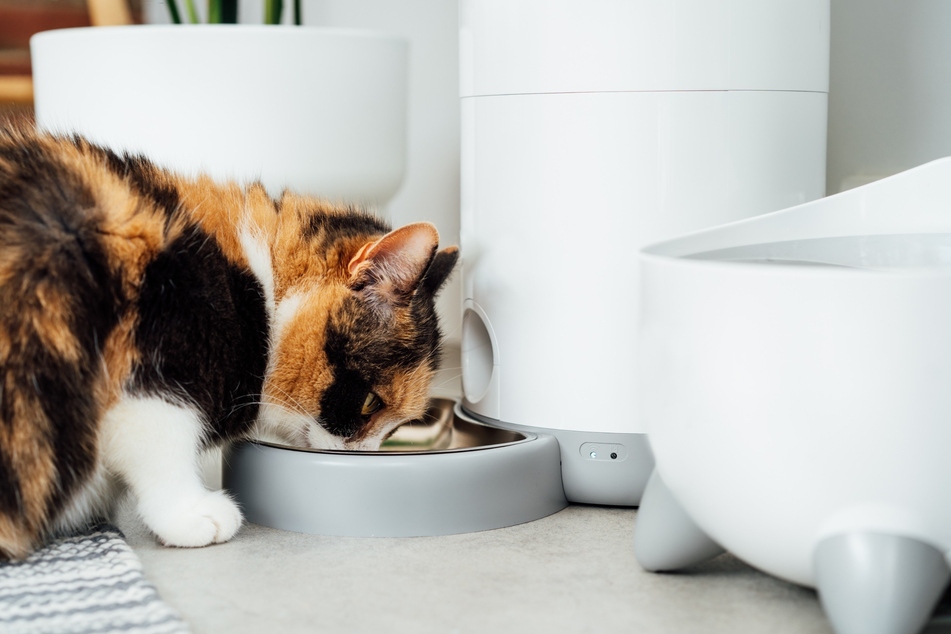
point(320, 111)
point(588, 130)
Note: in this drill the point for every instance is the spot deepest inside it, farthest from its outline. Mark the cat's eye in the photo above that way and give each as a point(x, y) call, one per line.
point(371, 404)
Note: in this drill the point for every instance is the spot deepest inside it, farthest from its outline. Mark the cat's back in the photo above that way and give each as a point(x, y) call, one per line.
point(57, 191)
point(75, 237)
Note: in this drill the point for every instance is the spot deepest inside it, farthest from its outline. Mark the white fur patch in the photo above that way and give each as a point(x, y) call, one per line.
point(284, 314)
point(320, 438)
point(154, 446)
point(280, 424)
point(280, 319)
point(258, 253)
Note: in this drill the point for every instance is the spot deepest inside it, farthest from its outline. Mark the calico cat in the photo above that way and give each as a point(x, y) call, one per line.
point(146, 316)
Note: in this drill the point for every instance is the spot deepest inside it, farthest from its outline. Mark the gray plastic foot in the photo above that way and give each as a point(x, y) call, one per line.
point(872, 583)
point(665, 538)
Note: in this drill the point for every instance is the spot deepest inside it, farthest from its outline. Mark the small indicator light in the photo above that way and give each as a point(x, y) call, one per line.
point(593, 454)
point(613, 456)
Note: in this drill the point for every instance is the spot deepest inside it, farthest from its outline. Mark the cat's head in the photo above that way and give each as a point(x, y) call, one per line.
point(356, 340)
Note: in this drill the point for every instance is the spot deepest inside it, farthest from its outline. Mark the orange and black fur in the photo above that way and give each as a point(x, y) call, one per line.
point(145, 316)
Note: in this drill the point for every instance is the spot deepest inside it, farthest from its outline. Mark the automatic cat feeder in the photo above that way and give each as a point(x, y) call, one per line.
point(589, 128)
point(796, 390)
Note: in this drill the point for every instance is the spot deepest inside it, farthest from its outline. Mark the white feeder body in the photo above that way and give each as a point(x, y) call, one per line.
point(588, 130)
point(796, 371)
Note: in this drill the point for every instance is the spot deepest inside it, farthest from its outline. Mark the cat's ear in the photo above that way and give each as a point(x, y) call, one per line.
point(396, 262)
point(439, 270)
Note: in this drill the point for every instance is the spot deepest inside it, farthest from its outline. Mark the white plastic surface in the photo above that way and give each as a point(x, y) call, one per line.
point(545, 46)
point(320, 111)
point(788, 402)
point(480, 360)
point(559, 192)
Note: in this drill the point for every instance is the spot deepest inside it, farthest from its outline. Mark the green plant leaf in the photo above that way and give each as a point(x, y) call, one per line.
point(229, 11)
point(192, 13)
point(297, 16)
point(272, 11)
point(173, 11)
point(223, 11)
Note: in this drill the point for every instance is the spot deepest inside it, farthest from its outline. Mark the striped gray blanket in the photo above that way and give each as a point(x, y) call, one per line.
point(90, 583)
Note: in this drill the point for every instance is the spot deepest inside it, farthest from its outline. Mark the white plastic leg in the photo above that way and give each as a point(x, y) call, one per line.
point(873, 583)
point(665, 537)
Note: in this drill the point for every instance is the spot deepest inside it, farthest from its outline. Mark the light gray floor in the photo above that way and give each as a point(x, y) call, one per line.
point(571, 572)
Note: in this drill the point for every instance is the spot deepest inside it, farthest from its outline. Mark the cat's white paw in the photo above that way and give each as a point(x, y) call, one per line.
point(211, 519)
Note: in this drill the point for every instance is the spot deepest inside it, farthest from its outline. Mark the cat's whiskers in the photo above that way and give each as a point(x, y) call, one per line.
point(300, 408)
point(454, 377)
point(423, 365)
point(457, 328)
point(281, 423)
point(297, 425)
point(250, 403)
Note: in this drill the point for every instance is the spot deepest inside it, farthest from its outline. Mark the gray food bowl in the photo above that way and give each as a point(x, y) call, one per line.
point(442, 475)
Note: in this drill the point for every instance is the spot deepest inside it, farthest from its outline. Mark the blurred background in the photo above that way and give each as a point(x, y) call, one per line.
point(889, 96)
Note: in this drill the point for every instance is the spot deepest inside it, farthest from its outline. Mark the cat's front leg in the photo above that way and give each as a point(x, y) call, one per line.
point(154, 446)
